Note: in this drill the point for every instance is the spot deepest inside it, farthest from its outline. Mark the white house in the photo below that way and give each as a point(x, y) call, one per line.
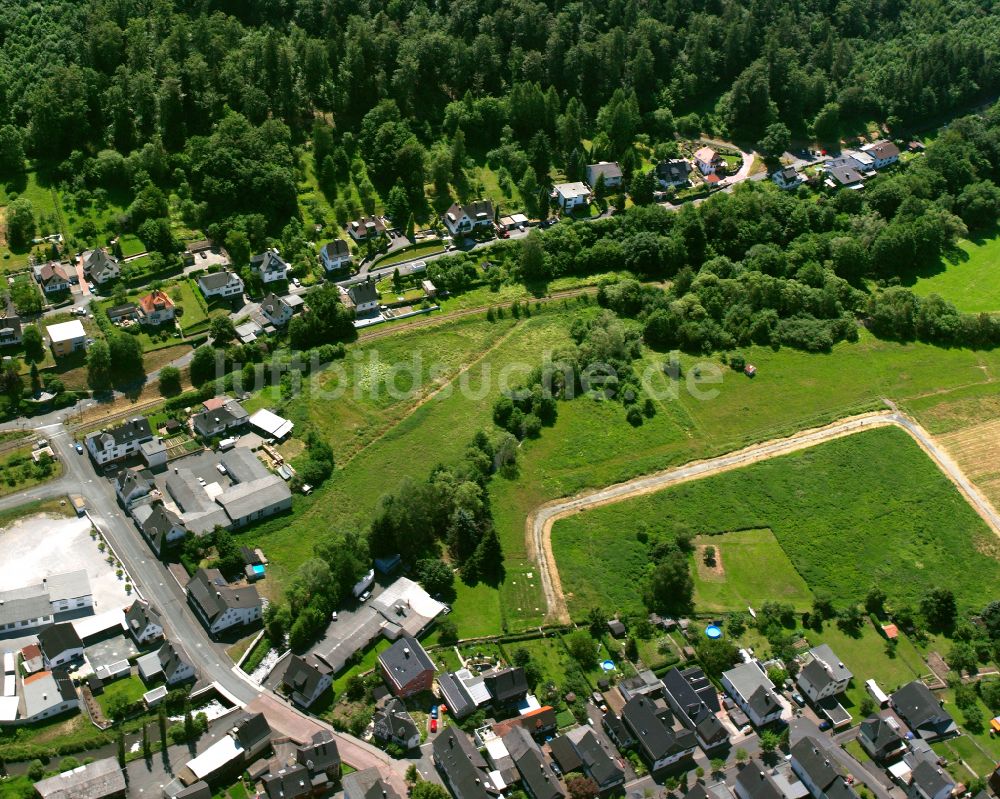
point(99, 267)
point(393, 723)
point(363, 296)
point(45, 695)
point(156, 308)
point(753, 691)
point(221, 284)
point(673, 173)
point(119, 442)
point(335, 255)
point(269, 266)
point(610, 170)
point(823, 674)
point(306, 678)
point(166, 662)
point(220, 605)
point(788, 178)
point(276, 310)
point(143, 622)
point(461, 219)
point(60, 645)
point(366, 228)
point(67, 337)
point(883, 153)
point(707, 160)
point(571, 195)
point(53, 277)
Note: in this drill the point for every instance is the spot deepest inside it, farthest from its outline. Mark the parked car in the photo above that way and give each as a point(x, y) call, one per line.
point(364, 597)
point(79, 448)
point(434, 725)
point(824, 725)
point(798, 699)
point(333, 616)
point(296, 282)
point(434, 711)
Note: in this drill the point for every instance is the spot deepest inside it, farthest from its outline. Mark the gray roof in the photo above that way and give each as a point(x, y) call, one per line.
point(320, 754)
point(137, 430)
point(59, 638)
point(367, 784)
point(506, 685)
point(393, 722)
point(252, 729)
point(303, 675)
point(287, 783)
point(96, 780)
point(141, 615)
point(597, 762)
point(838, 671)
point(210, 591)
point(363, 292)
point(812, 761)
point(197, 790)
point(405, 660)
point(98, 261)
point(565, 754)
point(216, 280)
point(655, 738)
point(459, 702)
point(757, 783)
point(246, 499)
point(46, 690)
point(537, 776)
point(609, 170)
point(16, 606)
point(170, 660)
point(159, 521)
point(67, 585)
point(918, 706)
point(931, 779)
point(845, 174)
point(464, 769)
point(336, 248)
point(747, 678)
point(272, 305)
point(242, 465)
point(268, 261)
point(879, 733)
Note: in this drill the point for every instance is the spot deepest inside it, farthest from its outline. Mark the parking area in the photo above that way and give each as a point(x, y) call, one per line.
point(39, 546)
point(354, 629)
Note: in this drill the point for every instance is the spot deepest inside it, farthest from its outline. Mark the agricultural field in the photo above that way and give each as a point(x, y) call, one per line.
point(823, 505)
point(970, 279)
point(749, 568)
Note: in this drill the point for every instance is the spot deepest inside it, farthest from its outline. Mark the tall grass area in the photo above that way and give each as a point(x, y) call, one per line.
point(869, 508)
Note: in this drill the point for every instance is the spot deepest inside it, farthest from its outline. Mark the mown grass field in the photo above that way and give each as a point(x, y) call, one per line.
point(972, 281)
point(750, 568)
point(868, 508)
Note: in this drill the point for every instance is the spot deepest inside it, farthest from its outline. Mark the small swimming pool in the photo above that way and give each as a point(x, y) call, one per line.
point(713, 632)
point(258, 570)
point(608, 665)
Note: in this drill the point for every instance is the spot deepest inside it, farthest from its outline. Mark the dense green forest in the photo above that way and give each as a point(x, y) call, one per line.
point(208, 99)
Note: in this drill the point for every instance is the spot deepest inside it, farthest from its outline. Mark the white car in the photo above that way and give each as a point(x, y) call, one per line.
point(296, 282)
point(364, 597)
point(333, 616)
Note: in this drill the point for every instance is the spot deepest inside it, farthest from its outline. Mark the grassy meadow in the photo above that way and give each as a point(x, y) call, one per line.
point(971, 281)
point(868, 508)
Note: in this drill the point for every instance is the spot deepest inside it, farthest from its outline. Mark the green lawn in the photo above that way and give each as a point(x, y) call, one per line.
point(751, 568)
point(47, 221)
point(823, 504)
point(971, 281)
point(20, 472)
point(420, 250)
point(131, 688)
point(131, 245)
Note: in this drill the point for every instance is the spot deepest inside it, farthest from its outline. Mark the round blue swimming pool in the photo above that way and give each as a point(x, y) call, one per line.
point(608, 665)
point(713, 632)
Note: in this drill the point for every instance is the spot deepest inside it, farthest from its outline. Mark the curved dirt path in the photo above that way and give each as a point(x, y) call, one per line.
point(538, 526)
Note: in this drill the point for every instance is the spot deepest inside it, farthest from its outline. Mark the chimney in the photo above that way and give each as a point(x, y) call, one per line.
point(406, 651)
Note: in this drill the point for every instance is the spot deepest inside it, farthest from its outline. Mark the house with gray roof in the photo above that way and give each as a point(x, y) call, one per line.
point(461, 219)
point(673, 173)
point(754, 783)
point(335, 255)
point(606, 771)
point(652, 729)
point(367, 784)
point(101, 779)
point(463, 692)
point(811, 765)
point(159, 525)
point(506, 685)
point(132, 485)
point(686, 693)
point(393, 724)
point(823, 674)
point(463, 769)
point(929, 781)
point(220, 605)
point(60, 645)
point(46, 694)
point(220, 419)
point(363, 296)
point(143, 622)
point(305, 679)
point(221, 284)
point(609, 170)
point(168, 662)
point(269, 266)
point(320, 755)
point(275, 310)
point(880, 739)
point(10, 324)
point(117, 443)
point(99, 267)
point(753, 692)
point(922, 712)
point(406, 667)
point(289, 782)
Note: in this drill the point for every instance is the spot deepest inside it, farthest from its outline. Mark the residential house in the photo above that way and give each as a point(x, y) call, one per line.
point(537, 777)
point(845, 171)
point(154, 452)
point(289, 782)
point(221, 284)
point(922, 712)
point(644, 683)
point(928, 781)
point(463, 769)
point(23, 609)
point(564, 755)
point(67, 337)
point(68, 591)
point(60, 645)
point(276, 310)
point(159, 525)
point(823, 674)
point(249, 737)
point(674, 173)
point(167, 662)
point(571, 195)
point(363, 296)
point(609, 170)
point(506, 686)
point(367, 784)
point(463, 692)
point(883, 153)
point(10, 324)
point(107, 446)
point(269, 266)
point(119, 313)
point(707, 160)
point(53, 277)
point(788, 178)
point(46, 694)
point(393, 724)
point(156, 308)
point(461, 219)
point(335, 255)
point(99, 267)
point(220, 415)
point(608, 773)
point(366, 228)
point(754, 783)
point(693, 698)
point(651, 727)
point(880, 739)
point(811, 765)
point(220, 605)
point(143, 622)
point(305, 679)
point(320, 755)
point(539, 723)
point(406, 667)
point(133, 484)
point(753, 692)
point(101, 779)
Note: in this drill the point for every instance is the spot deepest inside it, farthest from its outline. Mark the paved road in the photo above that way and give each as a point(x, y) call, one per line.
point(154, 583)
point(541, 520)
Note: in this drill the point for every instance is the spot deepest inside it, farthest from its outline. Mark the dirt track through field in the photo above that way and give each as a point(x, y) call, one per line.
point(538, 526)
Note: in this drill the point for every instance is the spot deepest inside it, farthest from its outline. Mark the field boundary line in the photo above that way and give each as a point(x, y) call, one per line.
point(539, 523)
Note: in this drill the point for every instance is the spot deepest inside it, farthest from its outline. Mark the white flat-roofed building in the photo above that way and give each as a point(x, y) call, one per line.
point(270, 424)
point(571, 195)
point(67, 337)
